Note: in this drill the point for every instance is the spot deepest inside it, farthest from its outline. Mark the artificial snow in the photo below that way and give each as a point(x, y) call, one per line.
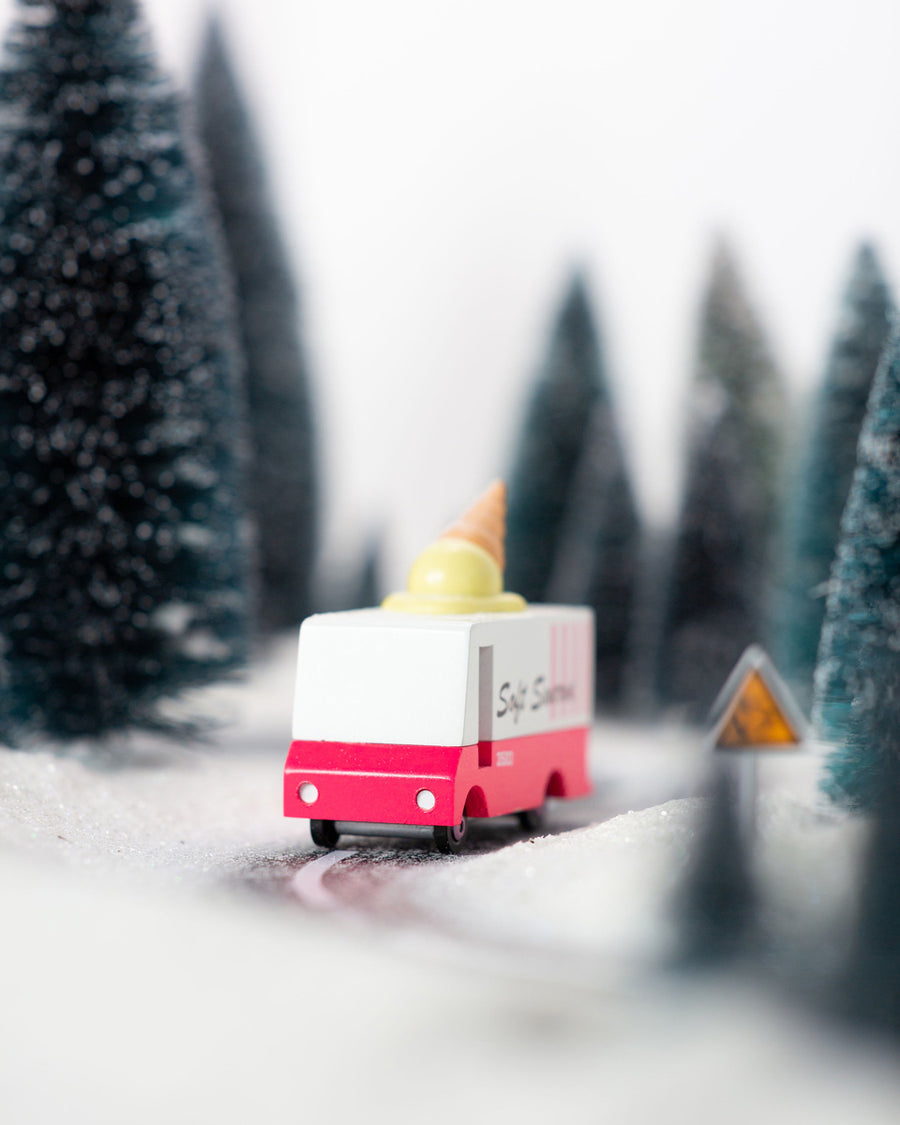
point(609, 892)
point(598, 890)
point(160, 967)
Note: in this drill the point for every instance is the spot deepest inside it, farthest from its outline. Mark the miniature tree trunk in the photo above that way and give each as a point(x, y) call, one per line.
point(870, 987)
point(718, 901)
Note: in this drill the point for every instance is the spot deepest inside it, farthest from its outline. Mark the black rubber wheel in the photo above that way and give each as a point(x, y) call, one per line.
point(532, 820)
point(450, 839)
point(323, 833)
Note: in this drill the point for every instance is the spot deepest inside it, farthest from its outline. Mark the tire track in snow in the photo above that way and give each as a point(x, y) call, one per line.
point(308, 885)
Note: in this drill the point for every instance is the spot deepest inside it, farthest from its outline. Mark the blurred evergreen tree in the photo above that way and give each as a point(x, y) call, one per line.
point(282, 484)
point(120, 546)
point(862, 616)
point(551, 444)
point(823, 480)
point(367, 590)
point(719, 587)
point(718, 903)
point(652, 567)
point(596, 560)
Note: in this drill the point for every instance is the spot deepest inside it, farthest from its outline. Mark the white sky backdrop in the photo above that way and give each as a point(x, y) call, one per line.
point(439, 167)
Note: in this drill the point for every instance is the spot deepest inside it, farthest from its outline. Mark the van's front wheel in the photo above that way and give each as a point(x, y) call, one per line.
point(449, 838)
point(324, 833)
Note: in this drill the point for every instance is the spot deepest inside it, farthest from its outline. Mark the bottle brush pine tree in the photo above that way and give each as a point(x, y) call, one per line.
point(720, 575)
point(551, 444)
point(120, 547)
point(282, 484)
point(596, 562)
point(825, 474)
point(862, 615)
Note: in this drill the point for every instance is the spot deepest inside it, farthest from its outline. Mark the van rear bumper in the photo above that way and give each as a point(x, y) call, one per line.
point(373, 784)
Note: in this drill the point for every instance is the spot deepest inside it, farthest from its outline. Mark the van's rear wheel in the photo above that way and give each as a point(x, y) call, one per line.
point(449, 839)
point(532, 820)
point(324, 833)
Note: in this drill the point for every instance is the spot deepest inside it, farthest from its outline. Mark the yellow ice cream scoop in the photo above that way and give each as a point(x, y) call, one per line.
point(462, 572)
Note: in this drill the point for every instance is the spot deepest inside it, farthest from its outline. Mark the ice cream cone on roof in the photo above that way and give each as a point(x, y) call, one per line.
point(485, 523)
point(462, 571)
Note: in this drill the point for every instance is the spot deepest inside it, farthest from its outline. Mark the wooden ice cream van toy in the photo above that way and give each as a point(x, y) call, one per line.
point(453, 700)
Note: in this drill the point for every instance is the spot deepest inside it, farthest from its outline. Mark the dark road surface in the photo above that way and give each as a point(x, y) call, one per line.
point(359, 876)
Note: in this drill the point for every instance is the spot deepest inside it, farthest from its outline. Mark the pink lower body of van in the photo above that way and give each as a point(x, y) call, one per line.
point(433, 785)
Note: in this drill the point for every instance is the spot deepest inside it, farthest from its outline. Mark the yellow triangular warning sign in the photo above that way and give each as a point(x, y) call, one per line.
point(755, 710)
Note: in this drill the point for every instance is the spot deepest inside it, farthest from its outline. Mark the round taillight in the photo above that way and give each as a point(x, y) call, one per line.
point(426, 800)
point(308, 793)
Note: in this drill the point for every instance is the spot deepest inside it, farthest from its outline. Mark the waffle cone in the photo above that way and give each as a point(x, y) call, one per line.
point(485, 523)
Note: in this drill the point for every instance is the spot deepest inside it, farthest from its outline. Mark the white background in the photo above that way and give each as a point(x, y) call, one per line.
point(439, 167)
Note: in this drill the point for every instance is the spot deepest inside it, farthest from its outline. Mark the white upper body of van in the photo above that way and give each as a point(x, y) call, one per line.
point(375, 676)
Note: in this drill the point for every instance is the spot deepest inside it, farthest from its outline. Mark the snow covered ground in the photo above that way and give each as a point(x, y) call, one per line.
point(148, 980)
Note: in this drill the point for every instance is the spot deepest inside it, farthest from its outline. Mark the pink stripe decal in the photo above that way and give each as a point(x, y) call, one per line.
point(579, 668)
point(565, 664)
point(552, 671)
point(573, 649)
point(573, 645)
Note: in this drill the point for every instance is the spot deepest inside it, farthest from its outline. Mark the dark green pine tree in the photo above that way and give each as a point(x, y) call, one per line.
point(869, 990)
point(720, 576)
point(282, 484)
point(718, 905)
point(862, 615)
point(120, 544)
point(596, 561)
point(551, 444)
point(823, 480)
point(367, 590)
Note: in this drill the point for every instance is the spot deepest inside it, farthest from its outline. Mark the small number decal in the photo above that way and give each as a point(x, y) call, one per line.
point(505, 757)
